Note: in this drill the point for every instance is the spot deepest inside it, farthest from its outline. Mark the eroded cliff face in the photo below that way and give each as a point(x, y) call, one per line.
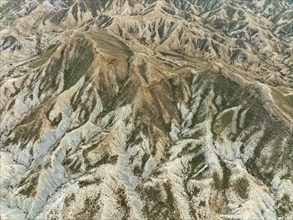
point(146, 110)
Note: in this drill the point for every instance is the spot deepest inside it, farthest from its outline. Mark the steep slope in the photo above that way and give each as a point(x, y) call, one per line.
point(146, 109)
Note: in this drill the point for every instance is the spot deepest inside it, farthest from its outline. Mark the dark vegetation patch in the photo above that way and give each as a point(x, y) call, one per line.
point(50, 81)
point(134, 138)
point(241, 187)
point(123, 202)
point(29, 128)
point(190, 149)
point(284, 206)
point(224, 183)
point(79, 66)
point(11, 5)
point(110, 43)
point(11, 42)
point(197, 161)
point(222, 123)
point(217, 181)
point(91, 207)
point(72, 167)
point(124, 97)
point(74, 11)
point(161, 101)
point(83, 183)
point(44, 56)
point(258, 115)
point(196, 135)
point(30, 184)
point(230, 11)
point(69, 199)
point(57, 16)
point(105, 159)
point(143, 70)
point(11, 104)
point(156, 206)
point(139, 170)
point(226, 177)
point(86, 107)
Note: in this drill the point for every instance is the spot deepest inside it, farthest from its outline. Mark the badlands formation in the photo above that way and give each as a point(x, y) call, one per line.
point(146, 109)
